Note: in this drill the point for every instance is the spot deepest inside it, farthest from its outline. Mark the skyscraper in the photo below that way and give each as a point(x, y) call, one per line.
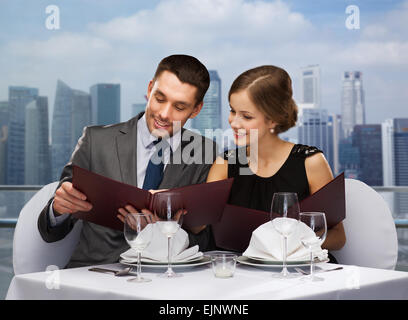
point(367, 138)
point(19, 97)
point(387, 137)
point(352, 101)
point(312, 128)
point(395, 161)
point(105, 99)
point(210, 115)
point(4, 126)
point(401, 163)
point(81, 114)
point(333, 137)
point(71, 112)
point(310, 92)
point(349, 159)
point(37, 151)
point(387, 132)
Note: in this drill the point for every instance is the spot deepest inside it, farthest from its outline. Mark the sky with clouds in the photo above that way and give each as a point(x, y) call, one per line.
point(122, 41)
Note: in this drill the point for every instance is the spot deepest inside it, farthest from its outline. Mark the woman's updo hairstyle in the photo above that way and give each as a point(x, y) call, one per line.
point(270, 89)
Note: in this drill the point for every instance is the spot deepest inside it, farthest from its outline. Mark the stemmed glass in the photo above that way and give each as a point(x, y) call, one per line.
point(169, 209)
point(138, 231)
point(317, 222)
point(284, 214)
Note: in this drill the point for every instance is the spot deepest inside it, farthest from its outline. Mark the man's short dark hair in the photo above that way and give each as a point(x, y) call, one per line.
point(187, 69)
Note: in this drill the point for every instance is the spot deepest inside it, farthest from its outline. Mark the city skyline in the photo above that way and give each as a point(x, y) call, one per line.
point(315, 127)
point(124, 43)
point(117, 51)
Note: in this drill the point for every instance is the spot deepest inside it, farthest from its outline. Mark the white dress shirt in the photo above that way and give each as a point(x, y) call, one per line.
point(145, 150)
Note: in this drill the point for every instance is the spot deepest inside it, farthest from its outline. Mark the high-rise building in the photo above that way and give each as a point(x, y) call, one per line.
point(334, 137)
point(71, 112)
point(401, 163)
point(310, 92)
point(387, 133)
point(349, 159)
point(387, 137)
point(210, 115)
point(352, 101)
point(81, 114)
point(395, 161)
point(19, 97)
point(4, 126)
point(367, 138)
point(105, 100)
point(137, 108)
point(37, 151)
point(312, 128)
point(61, 129)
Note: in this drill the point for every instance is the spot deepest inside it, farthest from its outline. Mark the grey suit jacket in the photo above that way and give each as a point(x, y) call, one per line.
point(111, 152)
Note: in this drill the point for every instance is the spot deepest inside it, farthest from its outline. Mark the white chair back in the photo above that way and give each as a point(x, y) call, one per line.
point(371, 236)
point(30, 252)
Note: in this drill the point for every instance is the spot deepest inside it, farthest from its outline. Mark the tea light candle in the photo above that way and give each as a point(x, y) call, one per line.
point(223, 272)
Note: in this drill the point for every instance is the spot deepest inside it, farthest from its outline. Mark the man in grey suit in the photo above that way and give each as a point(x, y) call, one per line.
point(122, 152)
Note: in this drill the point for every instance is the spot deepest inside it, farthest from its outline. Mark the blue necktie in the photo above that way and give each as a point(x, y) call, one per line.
point(154, 171)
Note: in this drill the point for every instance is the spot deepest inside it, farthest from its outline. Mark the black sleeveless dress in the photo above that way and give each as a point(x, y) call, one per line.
point(255, 192)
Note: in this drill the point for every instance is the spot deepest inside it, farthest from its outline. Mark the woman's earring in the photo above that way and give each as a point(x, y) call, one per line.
point(272, 130)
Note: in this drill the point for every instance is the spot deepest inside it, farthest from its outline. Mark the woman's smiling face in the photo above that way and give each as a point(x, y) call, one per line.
point(244, 117)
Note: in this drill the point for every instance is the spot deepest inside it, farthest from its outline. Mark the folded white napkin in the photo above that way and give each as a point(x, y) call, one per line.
point(266, 243)
point(156, 251)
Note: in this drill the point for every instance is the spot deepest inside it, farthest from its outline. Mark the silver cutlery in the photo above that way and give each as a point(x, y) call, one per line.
point(117, 273)
point(319, 271)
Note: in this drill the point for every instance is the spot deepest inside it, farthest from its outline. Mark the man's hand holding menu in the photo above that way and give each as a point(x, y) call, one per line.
point(204, 203)
point(69, 200)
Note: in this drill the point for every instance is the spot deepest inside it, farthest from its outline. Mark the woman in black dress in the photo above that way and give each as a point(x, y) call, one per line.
point(262, 107)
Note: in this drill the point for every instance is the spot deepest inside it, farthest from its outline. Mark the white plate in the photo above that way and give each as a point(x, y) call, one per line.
point(149, 261)
point(193, 263)
point(257, 262)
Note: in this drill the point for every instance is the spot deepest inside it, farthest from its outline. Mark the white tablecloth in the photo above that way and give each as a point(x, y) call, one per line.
point(199, 283)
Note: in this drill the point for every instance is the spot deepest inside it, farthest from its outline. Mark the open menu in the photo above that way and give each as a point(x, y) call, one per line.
point(234, 230)
point(204, 202)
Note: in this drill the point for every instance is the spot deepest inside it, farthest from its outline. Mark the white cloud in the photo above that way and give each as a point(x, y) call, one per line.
point(227, 35)
point(205, 22)
point(375, 53)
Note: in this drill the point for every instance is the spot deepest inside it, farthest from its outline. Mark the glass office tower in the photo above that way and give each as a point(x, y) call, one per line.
point(312, 128)
point(4, 127)
point(105, 100)
point(210, 115)
point(352, 101)
point(401, 164)
point(310, 92)
point(71, 114)
point(368, 140)
point(19, 97)
point(37, 151)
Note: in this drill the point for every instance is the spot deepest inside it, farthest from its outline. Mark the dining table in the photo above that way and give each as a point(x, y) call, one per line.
point(198, 282)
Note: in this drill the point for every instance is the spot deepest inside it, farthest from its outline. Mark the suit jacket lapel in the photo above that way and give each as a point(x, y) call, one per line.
point(126, 143)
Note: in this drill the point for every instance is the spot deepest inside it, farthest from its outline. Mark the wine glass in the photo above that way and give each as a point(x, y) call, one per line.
point(138, 231)
point(284, 216)
point(317, 222)
point(169, 209)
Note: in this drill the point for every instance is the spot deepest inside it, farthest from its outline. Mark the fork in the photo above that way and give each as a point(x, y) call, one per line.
point(117, 273)
point(320, 271)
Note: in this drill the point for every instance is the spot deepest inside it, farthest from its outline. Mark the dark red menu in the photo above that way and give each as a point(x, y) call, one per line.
point(204, 202)
point(234, 230)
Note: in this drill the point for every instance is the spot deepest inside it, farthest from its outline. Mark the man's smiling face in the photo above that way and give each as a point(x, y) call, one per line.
point(170, 101)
